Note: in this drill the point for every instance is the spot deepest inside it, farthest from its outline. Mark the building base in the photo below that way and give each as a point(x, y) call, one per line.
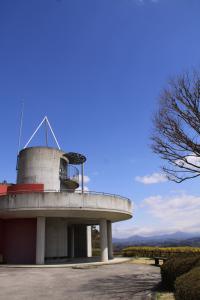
point(49, 240)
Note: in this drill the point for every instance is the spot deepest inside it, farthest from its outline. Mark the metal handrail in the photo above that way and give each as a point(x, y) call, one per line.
point(23, 191)
point(70, 173)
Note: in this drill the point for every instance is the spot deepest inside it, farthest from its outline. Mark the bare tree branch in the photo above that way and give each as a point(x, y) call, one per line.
point(176, 136)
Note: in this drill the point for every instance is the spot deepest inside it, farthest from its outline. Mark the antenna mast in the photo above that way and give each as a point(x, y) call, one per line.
point(46, 132)
point(20, 127)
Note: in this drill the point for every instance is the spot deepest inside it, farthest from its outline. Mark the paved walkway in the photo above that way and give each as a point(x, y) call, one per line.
point(118, 281)
point(75, 262)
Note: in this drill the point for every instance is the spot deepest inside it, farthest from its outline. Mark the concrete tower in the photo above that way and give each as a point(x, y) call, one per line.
point(44, 217)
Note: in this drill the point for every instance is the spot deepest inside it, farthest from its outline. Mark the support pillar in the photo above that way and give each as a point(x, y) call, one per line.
point(89, 241)
point(40, 241)
point(104, 240)
point(110, 245)
point(72, 242)
point(82, 178)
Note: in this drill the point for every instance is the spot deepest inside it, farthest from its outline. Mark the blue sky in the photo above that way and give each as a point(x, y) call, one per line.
point(96, 69)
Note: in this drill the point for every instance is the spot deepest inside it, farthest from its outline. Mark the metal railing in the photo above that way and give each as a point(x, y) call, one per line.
point(24, 191)
point(69, 173)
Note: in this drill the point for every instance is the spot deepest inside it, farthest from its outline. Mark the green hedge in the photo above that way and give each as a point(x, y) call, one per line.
point(175, 267)
point(159, 251)
point(187, 286)
point(96, 252)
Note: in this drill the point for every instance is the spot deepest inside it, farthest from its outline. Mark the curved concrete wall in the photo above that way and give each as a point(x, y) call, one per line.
point(40, 165)
point(71, 205)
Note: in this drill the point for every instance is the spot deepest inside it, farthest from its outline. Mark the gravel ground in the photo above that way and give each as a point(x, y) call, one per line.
point(119, 281)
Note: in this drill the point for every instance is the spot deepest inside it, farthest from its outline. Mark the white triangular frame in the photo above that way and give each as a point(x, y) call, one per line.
point(48, 123)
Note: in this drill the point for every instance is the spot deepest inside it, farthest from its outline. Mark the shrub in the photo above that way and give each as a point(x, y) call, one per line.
point(175, 267)
point(187, 286)
point(159, 251)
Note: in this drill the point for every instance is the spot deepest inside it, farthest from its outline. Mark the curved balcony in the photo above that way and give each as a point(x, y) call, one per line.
point(69, 177)
point(87, 207)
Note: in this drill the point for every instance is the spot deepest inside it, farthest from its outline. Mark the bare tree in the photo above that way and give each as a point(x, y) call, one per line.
point(176, 135)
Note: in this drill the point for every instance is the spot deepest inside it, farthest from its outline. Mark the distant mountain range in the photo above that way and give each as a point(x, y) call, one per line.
point(178, 238)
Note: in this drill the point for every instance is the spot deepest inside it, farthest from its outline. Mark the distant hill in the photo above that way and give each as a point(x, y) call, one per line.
point(178, 238)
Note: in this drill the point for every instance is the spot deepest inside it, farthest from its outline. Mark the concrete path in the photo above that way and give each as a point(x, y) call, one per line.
point(69, 263)
point(119, 281)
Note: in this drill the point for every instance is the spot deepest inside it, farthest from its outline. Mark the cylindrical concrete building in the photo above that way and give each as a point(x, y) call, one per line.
point(44, 217)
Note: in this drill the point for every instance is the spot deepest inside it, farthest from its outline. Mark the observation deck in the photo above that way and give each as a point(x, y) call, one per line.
point(45, 216)
point(88, 207)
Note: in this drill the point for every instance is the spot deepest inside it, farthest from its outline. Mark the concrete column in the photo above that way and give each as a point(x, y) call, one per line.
point(110, 246)
point(104, 240)
point(40, 241)
point(89, 241)
point(72, 242)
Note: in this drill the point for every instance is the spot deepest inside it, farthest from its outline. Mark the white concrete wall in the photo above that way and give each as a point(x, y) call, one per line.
point(56, 237)
point(40, 165)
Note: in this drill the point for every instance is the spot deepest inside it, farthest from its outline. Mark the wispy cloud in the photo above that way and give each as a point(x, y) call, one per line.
point(191, 161)
point(152, 178)
point(95, 173)
point(86, 178)
point(163, 214)
point(179, 211)
point(85, 188)
point(125, 231)
point(120, 231)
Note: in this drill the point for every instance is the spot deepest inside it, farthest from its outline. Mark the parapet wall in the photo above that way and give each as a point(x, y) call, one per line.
point(63, 204)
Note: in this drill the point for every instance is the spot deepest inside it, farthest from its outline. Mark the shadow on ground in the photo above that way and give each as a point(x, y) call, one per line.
point(136, 286)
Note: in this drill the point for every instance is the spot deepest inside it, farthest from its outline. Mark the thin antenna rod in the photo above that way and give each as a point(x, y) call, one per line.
point(20, 127)
point(35, 132)
point(53, 133)
point(46, 132)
